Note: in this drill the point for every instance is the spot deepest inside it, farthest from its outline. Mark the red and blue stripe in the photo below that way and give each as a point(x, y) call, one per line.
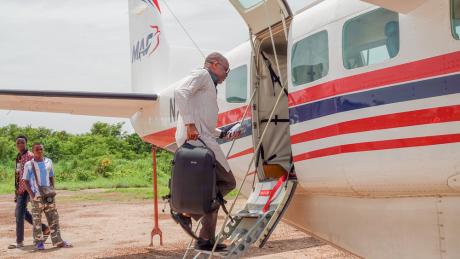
point(418, 80)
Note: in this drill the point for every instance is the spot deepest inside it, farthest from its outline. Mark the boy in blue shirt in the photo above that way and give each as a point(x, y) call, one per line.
point(43, 167)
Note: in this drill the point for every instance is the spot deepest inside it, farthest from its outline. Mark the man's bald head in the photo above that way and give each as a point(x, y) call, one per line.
point(215, 57)
point(217, 64)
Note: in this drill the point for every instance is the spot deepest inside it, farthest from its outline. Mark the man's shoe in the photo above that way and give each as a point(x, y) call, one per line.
point(64, 244)
point(16, 245)
point(40, 246)
point(184, 222)
point(207, 245)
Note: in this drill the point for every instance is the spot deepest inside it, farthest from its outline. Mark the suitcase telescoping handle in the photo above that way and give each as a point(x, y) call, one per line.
point(199, 140)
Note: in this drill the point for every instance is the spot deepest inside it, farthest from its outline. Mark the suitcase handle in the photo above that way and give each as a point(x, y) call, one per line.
point(199, 140)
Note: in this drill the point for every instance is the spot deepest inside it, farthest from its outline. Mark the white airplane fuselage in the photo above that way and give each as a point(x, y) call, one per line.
point(376, 147)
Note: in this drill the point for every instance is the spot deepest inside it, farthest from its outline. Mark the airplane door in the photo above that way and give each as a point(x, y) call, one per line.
point(259, 14)
point(275, 180)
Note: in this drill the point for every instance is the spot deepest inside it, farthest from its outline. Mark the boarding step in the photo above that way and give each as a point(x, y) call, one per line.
point(247, 214)
point(205, 254)
point(255, 222)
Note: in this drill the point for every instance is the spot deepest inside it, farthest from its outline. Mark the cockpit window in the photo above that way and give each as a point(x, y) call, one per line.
point(455, 6)
point(370, 38)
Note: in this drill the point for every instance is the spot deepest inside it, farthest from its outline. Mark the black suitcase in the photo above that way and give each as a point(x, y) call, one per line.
point(193, 180)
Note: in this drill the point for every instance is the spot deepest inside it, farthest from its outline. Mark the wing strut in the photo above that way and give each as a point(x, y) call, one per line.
point(156, 228)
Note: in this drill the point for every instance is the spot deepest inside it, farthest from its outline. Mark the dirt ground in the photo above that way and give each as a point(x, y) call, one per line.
point(118, 225)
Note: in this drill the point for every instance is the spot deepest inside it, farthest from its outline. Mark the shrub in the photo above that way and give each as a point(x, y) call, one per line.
point(104, 167)
point(105, 157)
point(85, 176)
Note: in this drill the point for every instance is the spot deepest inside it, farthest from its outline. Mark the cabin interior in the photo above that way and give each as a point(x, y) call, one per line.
point(274, 158)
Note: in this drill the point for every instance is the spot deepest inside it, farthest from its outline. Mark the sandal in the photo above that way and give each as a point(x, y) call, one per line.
point(64, 244)
point(40, 246)
point(185, 223)
point(15, 245)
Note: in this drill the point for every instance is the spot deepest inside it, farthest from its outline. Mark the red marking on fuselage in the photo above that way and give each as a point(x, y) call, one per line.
point(430, 67)
point(161, 138)
point(434, 66)
point(379, 145)
point(387, 121)
point(166, 137)
point(242, 153)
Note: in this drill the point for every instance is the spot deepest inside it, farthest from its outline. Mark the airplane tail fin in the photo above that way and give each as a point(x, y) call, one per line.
point(149, 48)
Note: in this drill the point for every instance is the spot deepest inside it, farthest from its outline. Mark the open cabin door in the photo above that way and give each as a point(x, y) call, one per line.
point(259, 14)
point(274, 180)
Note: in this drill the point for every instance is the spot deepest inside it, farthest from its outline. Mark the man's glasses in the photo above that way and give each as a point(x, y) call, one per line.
point(226, 70)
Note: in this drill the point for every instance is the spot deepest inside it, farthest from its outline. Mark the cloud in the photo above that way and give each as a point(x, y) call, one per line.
point(84, 45)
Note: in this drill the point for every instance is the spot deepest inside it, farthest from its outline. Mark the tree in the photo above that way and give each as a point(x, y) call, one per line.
point(105, 129)
point(7, 151)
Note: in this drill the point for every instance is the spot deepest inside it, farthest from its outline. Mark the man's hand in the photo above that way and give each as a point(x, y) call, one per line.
point(234, 135)
point(192, 132)
point(234, 132)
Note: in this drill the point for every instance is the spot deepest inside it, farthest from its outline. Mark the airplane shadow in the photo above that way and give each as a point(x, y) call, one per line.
point(152, 253)
point(271, 247)
point(32, 249)
point(285, 245)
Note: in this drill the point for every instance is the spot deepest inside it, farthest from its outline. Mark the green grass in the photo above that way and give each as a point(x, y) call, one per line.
point(116, 195)
point(130, 178)
point(85, 174)
point(140, 193)
point(103, 183)
point(6, 188)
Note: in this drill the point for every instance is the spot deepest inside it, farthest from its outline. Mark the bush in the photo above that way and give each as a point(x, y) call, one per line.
point(84, 176)
point(7, 150)
point(104, 157)
point(104, 167)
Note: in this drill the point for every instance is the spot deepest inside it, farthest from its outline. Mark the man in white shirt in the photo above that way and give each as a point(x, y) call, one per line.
point(196, 98)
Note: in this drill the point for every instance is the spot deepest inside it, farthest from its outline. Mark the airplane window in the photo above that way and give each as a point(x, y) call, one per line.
point(310, 58)
point(246, 4)
point(370, 38)
point(456, 18)
point(236, 85)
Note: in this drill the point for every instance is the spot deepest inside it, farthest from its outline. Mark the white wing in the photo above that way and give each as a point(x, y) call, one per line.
point(122, 105)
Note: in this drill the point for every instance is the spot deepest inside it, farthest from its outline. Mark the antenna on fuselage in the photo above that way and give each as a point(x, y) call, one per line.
point(183, 28)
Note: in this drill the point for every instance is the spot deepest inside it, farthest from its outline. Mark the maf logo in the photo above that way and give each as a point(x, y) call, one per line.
point(151, 41)
point(142, 47)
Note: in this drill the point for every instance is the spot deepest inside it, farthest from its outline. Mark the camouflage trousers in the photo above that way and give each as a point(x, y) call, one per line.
point(38, 207)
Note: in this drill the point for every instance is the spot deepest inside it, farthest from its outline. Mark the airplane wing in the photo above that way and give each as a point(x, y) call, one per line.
point(400, 6)
point(122, 105)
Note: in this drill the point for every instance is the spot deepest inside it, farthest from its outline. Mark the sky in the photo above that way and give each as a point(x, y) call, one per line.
point(84, 46)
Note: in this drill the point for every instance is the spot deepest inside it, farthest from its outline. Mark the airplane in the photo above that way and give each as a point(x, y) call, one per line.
point(351, 111)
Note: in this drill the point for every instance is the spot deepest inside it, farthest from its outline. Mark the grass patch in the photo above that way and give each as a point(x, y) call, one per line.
point(103, 183)
point(6, 188)
point(140, 193)
point(116, 194)
point(99, 183)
